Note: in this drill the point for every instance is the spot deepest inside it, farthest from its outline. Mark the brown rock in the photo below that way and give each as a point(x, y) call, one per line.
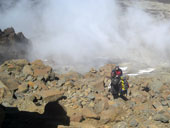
point(40, 85)
point(101, 106)
point(106, 69)
point(4, 92)
point(110, 115)
point(76, 117)
point(10, 82)
point(69, 83)
point(31, 84)
point(97, 85)
point(22, 88)
point(50, 95)
point(40, 69)
point(73, 76)
point(27, 70)
point(9, 31)
point(87, 113)
point(157, 105)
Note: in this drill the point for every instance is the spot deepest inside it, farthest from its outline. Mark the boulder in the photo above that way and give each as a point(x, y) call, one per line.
point(40, 70)
point(73, 76)
point(76, 117)
point(101, 106)
point(161, 117)
point(157, 105)
point(22, 88)
point(111, 115)
point(27, 70)
point(106, 70)
point(121, 125)
point(97, 85)
point(133, 123)
point(88, 113)
point(50, 95)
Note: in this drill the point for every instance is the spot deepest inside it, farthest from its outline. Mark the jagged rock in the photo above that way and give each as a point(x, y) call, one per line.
point(91, 96)
point(69, 83)
point(73, 76)
point(87, 113)
point(106, 69)
point(22, 88)
point(157, 105)
point(111, 115)
point(27, 70)
point(12, 45)
point(97, 85)
point(40, 70)
point(161, 117)
point(8, 81)
point(101, 106)
point(133, 123)
point(164, 103)
point(121, 125)
point(61, 82)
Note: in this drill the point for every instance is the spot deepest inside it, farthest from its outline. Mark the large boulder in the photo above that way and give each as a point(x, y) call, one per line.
point(106, 69)
point(111, 115)
point(50, 95)
point(40, 70)
point(97, 84)
point(88, 113)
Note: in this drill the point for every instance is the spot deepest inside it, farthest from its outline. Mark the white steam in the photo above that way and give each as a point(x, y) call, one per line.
point(76, 32)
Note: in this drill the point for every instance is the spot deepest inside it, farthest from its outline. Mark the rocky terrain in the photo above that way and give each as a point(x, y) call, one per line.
point(158, 8)
point(32, 95)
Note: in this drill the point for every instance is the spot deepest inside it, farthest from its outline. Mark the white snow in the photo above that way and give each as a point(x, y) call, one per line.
point(133, 74)
point(143, 71)
point(146, 70)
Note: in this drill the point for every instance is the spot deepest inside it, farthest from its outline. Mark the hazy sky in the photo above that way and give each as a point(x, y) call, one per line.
point(72, 32)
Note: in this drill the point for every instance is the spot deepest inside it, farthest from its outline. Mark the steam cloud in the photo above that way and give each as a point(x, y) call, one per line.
point(78, 33)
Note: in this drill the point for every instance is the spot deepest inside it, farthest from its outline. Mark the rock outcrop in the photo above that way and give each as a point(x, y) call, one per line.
point(13, 45)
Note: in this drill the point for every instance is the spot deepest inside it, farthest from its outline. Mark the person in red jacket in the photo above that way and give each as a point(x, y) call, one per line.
point(115, 81)
point(116, 72)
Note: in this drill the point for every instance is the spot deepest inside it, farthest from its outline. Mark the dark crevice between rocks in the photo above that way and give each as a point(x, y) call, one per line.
point(53, 116)
point(146, 89)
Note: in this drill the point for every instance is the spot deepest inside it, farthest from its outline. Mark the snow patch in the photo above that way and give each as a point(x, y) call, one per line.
point(144, 71)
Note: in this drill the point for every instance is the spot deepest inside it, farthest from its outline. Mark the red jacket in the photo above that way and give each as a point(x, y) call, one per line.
point(114, 72)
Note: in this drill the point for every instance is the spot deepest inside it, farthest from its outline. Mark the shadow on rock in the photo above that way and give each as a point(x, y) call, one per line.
point(53, 116)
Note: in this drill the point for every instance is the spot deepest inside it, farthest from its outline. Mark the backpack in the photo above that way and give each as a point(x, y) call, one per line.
point(124, 84)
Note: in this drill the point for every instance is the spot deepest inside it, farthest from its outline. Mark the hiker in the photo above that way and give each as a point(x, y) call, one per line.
point(115, 81)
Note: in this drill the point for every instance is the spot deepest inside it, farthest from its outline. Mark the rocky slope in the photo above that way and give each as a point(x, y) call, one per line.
point(158, 8)
point(12, 45)
point(32, 95)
